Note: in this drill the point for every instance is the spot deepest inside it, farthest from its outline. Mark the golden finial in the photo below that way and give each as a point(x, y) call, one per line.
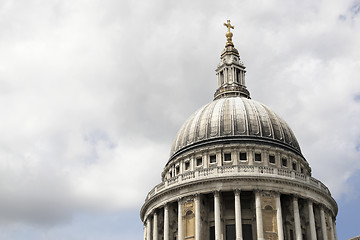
point(229, 34)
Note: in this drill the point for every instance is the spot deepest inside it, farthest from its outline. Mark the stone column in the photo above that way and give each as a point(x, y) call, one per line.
point(155, 226)
point(279, 217)
point(180, 225)
point(197, 218)
point(243, 78)
point(145, 231)
point(217, 215)
point(331, 228)
point(234, 74)
point(225, 75)
point(259, 222)
point(297, 219)
point(323, 224)
point(148, 228)
point(166, 222)
point(335, 233)
point(312, 220)
point(238, 223)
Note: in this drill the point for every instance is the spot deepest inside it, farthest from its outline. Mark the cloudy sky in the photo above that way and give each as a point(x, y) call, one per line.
point(93, 92)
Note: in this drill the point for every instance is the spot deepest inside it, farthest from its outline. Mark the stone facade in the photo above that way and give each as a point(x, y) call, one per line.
point(236, 171)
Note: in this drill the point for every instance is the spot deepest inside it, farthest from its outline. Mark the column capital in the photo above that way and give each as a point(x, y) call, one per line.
point(296, 196)
point(163, 204)
point(322, 206)
point(277, 193)
point(196, 195)
point(237, 192)
point(216, 193)
point(268, 193)
point(258, 191)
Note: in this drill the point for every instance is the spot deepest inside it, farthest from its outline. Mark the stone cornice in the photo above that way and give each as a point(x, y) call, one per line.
point(255, 177)
point(236, 139)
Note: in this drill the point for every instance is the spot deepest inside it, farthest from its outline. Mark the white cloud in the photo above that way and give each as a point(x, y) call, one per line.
point(93, 92)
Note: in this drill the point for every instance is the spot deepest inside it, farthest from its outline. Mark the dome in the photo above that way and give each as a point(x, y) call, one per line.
point(236, 171)
point(235, 119)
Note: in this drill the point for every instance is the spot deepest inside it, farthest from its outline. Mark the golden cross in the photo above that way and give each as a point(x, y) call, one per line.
point(229, 34)
point(228, 25)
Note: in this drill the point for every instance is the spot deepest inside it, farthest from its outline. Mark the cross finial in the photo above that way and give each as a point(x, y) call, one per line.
point(229, 34)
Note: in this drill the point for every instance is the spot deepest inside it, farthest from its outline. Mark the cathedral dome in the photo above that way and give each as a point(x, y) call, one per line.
point(234, 119)
point(236, 171)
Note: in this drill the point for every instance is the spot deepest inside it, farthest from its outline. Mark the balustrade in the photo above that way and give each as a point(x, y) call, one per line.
point(235, 170)
point(206, 171)
point(284, 172)
point(300, 176)
point(268, 170)
point(226, 169)
point(246, 168)
point(173, 180)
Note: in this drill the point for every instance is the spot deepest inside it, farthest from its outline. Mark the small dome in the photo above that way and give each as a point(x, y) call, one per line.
point(234, 118)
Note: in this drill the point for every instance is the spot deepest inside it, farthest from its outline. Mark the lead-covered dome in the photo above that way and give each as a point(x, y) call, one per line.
point(234, 118)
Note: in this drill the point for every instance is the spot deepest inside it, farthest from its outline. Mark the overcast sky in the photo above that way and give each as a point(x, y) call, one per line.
point(92, 94)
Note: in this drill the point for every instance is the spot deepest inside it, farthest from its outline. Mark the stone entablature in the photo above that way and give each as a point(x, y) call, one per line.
point(269, 214)
point(215, 156)
point(245, 177)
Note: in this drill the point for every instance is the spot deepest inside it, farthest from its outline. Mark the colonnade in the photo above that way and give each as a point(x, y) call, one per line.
point(152, 233)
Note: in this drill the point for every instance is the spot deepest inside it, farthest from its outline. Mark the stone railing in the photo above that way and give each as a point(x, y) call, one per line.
point(236, 170)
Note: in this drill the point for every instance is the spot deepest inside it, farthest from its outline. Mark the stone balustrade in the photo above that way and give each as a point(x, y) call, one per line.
point(233, 171)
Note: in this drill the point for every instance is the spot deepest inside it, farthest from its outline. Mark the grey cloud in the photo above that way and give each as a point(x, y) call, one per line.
point(94, 92)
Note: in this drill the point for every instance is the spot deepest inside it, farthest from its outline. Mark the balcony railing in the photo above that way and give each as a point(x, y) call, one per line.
point(238, 170)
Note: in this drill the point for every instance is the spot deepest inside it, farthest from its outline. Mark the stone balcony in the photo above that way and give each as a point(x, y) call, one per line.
point(237, 171)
